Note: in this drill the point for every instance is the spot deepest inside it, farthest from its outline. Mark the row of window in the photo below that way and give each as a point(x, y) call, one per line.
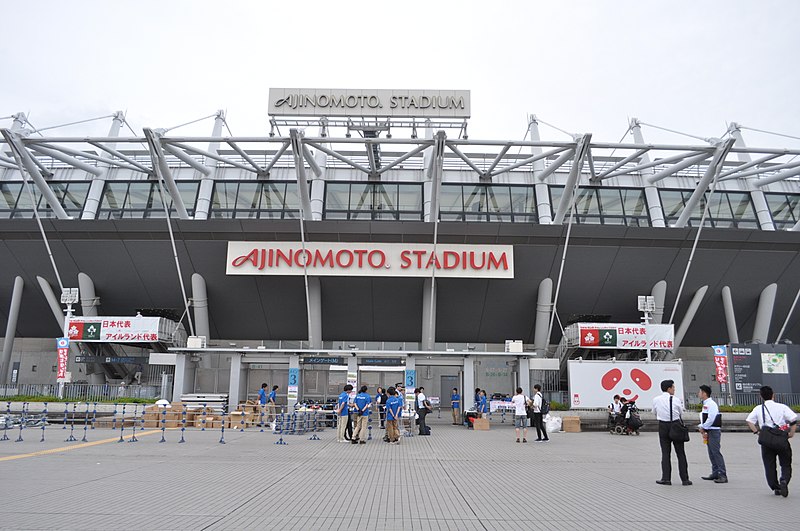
point(399, 201)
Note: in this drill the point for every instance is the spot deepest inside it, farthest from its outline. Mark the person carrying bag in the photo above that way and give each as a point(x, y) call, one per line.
point(678, 431)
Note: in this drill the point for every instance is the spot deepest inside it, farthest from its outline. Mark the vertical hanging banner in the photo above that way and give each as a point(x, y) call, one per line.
point(721, 363)
point(62, 347)
point(294, 379)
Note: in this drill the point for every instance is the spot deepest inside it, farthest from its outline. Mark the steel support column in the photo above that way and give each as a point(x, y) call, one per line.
point(294, 363)
point(544, 303)
point(163, 172)
point(524, 374)
point(654, 207)
point(432, 185)
point(766, 304)
point(574, 177)
point(95, 195)
point(689, 316)
point(541, 190)
point(730, 316)
point(235, 381)
point(26, 163)
point(428, 324)
point(763, 212)
point(709, 178)
point(300, 167)
point(200, 306)
point(659, 293)
point(90, 303)
point(11, 330)
point(468, 383)
point(315, 307)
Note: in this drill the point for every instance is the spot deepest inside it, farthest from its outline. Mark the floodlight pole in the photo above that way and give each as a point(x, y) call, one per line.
point(68, 297)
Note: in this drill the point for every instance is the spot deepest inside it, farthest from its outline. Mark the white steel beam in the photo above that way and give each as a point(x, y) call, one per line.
point(312, 163)
point(78, 153)
point(72, 161)
point(338, 156)
point(163, 172)
point(186, 158)
point(113, 152)
point(210, 155)
point(487, 175)
point(259, 170)
point(437, 162)
point(675, 168)
point(778, 176)
point(278, 155)
point(574, 175)
point(659, 162)
point(25, 163)
point(296, 137)
point(463, 157)
point(556, 164)
point(733, 174)
point(529, 160)
point(403, 158)
point(541, 190)
point(777, 167)
point(763, 212)
point(620, 164)
point(710, 176)
point(655, 209)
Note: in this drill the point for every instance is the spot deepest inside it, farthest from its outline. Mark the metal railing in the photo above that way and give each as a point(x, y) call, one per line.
point(82, 392)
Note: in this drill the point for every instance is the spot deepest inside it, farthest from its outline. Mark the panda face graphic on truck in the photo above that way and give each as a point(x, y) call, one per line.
point(638, 377)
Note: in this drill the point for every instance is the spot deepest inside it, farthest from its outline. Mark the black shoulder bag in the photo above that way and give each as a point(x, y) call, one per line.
point(772, 437)
point(678, 432)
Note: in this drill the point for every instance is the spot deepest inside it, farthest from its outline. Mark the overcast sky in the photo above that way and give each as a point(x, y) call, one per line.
point(583, 66)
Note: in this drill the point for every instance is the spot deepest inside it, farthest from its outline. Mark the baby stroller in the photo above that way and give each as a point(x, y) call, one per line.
point(628, 421)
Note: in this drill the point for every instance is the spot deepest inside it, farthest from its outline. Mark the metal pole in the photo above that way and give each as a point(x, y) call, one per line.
point(11, 330)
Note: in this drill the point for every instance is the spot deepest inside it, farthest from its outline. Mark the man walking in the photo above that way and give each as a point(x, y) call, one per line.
point(262, 401)
point(669, 408)
point(342, 412)
point(771, 414)
point(363, 403)
point(520, 415)
point(455, 403)
point(538, 416)
point(393, 406)
point(272, 400)
point(711, 430)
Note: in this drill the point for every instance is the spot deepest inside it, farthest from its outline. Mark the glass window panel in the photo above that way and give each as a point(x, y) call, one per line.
point(555, 197)
point(742, 206)
point(139, 195)
point(718, 206)
point(224, 195)
point(335, 214)
point(248, 196)
point(633, 202)
point(59, 189)
point(188, 191)
point(24, 199)
point(385, 197)
point(337, 196)
point(272, 196)
point(586, 202)
point(292, 199)
point(75, 195)
point(783, 206)
point(474, 198)
point(499, 199)
point(360, 196)
point(523, 199)
point(450, 198)
point(610, 202)
point(672, 202)
point(525, 218)
point(747, 224)
point(417, 216)
point(8, 194)
point(409, 197)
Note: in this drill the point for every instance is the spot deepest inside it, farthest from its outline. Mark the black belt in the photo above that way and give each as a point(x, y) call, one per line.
point(666, 421)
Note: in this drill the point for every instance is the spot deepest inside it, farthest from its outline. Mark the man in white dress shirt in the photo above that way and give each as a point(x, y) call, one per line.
point(711, 429)
point(770, 414)
point(662, 405)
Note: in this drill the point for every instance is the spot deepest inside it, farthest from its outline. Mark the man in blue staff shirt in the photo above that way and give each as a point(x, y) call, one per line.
point(363, 402)
point(342, 411)
point(393, 406)
point(262, 400)
point(271, 403)
point(455, 403)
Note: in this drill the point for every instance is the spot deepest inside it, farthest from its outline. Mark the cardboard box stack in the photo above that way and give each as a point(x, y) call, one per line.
point(571, 424)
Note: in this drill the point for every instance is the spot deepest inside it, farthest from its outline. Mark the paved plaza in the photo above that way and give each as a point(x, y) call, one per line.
point(455, 479)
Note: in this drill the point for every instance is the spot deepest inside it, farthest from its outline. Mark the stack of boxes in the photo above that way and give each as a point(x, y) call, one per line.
point(174, 415)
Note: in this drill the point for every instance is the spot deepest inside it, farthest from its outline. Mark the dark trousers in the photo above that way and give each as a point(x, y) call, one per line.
point(538, 423)
point(423, 428)
point(785, 458)
point(666, 454)
point(715, 455)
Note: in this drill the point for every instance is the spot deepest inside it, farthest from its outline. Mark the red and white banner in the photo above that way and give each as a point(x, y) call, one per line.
point(721, 363)
point(62, 347)
point(626, 336)
point(593, 384)
point(370, 259)
point(114, 329)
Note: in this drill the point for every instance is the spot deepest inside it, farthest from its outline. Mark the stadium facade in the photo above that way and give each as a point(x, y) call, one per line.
point(377, 237)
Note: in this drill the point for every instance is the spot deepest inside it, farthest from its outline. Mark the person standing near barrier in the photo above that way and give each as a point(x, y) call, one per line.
point(363, 403)
point(668, 409)
point(455, 403)
point(538, 415)
point(342, 413)
point(711, 430)
point(483, 404)
point(423, 407)
point(393, 407)
point(380, 404)
point(262, 400)
point(771, 415)
point(520, 415)
point(272, 400)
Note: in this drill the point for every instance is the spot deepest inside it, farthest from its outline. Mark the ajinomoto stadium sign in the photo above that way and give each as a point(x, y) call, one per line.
point(357, 102)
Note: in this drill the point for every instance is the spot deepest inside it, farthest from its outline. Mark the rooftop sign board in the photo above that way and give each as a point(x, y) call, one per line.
point(370, 259)
point(380, 103)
